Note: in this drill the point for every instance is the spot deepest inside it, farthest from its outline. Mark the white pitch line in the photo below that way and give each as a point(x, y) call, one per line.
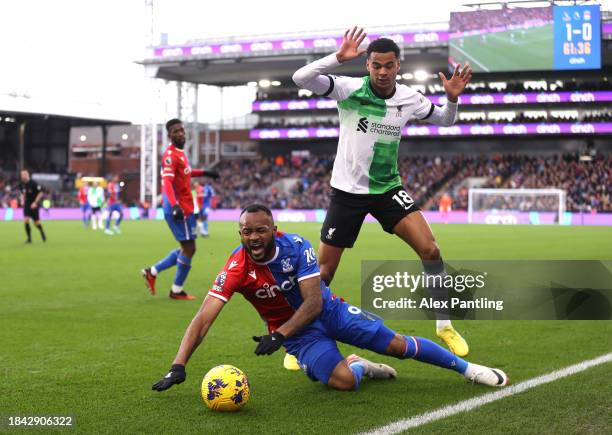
point(476, 402)
point(470, 56)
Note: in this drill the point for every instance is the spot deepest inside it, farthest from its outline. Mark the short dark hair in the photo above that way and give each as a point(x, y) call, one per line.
point(383, 45)
point(254, 208)
point(172, 122)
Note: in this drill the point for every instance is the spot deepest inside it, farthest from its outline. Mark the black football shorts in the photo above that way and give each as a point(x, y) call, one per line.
point(348, 210)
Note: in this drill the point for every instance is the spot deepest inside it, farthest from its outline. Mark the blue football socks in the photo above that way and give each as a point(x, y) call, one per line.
point(183, 264)
point(424, 350)
point(168, 262)
point(357, 368)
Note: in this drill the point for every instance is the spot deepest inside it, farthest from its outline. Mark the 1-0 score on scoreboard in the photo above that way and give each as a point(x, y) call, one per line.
point(577, 37)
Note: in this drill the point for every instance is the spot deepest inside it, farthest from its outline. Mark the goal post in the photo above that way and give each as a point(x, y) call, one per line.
point(510, 206)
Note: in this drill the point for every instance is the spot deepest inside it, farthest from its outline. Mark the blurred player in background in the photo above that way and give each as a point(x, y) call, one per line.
point(446, 203)
point(278, 274)
point(365, 178)
point(204, 196)
point(95, 198)
point(31, 196)
point(178, 210)
point(114, 205)
point(82, 197)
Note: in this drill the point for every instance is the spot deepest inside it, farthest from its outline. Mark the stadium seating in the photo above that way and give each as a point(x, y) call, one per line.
point(426, 178)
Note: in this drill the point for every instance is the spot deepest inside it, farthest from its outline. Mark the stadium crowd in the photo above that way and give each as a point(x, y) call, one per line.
point(491, 18)
point(10, 195)
point(302, 182)
point(425, 177)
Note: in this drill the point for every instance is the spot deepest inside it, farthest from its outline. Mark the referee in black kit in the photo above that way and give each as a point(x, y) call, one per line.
point(31, 196)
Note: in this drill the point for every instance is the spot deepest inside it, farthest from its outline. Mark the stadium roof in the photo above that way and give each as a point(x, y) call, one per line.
point(17, 116)
point(276, 57)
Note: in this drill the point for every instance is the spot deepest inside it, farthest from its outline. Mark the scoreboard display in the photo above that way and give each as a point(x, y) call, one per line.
point(520, 38)
point(577, 37)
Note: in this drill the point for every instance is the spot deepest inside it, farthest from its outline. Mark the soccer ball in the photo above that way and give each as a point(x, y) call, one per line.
point(225, 388)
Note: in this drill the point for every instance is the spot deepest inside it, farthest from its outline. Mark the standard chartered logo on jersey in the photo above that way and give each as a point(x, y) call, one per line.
point(364, 125)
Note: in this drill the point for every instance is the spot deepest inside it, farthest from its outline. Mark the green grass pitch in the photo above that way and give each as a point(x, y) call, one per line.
point(81, 336)
point(532, 50)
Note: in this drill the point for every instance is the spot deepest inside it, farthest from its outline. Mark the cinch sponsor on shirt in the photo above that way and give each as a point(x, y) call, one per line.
point(269, 291)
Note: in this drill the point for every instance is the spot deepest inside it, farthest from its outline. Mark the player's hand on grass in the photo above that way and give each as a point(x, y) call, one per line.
point(211, 174)
point(456, 84)
point(177, 213)
point(350, 45)
point(176, 375)
point(268, 344)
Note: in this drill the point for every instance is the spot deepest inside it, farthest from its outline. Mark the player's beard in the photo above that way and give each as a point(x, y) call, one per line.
point(262, 253)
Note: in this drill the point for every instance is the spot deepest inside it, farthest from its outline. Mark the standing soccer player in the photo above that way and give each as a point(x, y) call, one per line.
point(31, 195)
point(207, 195)
point(114, 205)
point(178, 210)
point(95, 198)
point(82, 197)
point(365, 178)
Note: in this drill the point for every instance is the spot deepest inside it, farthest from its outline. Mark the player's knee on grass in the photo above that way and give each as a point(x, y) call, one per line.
point(342, 378)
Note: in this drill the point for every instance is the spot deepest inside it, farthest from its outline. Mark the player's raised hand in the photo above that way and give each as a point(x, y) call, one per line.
point(350, 44)
point(456, 84)
point(176, 375)
point(177, 213)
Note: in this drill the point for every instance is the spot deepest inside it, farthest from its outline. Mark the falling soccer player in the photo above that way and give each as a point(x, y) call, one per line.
point(279, 275)
point(178, 211)
point(365, 177)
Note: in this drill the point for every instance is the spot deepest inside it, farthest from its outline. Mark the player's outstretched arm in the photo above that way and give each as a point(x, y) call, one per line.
point(205, 173)
point(195, 333)
point(312, 76)
point(457, 83)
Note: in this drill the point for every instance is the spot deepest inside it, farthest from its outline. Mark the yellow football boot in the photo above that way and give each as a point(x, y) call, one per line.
point(290, 362)
point(453, 340)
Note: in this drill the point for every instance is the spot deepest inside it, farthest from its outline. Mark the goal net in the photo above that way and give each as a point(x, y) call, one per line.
point(516, 206)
